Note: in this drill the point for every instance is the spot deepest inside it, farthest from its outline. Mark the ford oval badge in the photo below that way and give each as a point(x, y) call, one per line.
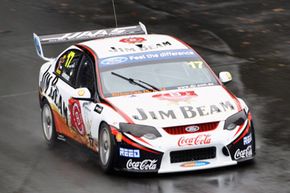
point(192, 129)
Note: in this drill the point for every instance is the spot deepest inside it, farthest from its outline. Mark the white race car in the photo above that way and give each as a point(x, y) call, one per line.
point(143, 102)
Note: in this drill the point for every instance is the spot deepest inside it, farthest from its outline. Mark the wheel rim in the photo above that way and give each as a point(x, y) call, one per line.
point(105, 146)
point(47, 122)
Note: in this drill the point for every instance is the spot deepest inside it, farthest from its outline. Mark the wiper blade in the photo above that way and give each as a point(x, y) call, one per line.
point(137, 82)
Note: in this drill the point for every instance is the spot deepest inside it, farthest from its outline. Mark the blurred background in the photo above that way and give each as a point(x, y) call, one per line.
point(249, 38)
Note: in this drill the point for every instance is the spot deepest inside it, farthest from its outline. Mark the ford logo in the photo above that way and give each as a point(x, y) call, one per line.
point(114, 60)
point(192, 129)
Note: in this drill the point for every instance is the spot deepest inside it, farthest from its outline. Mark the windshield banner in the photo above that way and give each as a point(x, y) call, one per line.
point(112, 62)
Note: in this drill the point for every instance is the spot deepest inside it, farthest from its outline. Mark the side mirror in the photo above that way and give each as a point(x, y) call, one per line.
point(225, 77)
point(82, 94)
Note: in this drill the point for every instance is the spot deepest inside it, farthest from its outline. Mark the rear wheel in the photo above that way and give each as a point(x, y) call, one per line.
point(48, 125)
point(106, 148)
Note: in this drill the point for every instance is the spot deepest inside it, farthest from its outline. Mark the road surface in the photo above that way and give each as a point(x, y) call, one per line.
point(249, 38)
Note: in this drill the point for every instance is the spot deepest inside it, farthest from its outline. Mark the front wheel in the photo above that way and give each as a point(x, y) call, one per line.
point(48, 126)
point(106, 148)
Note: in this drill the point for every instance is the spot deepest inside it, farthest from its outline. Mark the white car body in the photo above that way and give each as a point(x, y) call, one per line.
point(191, 107)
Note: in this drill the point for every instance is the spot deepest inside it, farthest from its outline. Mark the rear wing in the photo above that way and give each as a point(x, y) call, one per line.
point(84, 35)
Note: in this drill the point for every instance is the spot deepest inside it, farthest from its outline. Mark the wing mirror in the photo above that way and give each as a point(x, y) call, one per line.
point(225, 77)
point(82, 94)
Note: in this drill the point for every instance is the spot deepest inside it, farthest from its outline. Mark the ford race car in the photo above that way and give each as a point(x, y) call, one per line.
point(142, 102)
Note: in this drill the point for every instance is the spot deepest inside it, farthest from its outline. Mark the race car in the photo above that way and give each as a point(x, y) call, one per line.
point(142, 102)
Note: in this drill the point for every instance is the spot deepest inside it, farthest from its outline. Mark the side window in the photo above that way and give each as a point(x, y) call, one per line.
point(67, 66)
point(86, 75)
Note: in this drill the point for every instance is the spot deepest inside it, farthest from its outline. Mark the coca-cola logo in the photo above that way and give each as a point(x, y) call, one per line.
point(146, 164)
point(201, 139)
point(245, 153)
point(192, 129)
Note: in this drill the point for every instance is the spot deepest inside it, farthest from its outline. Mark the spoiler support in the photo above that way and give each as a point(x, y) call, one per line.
point(84, 35)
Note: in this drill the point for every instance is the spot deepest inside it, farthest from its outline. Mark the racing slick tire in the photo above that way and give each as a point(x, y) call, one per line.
point(106, 149)
point(48, 126)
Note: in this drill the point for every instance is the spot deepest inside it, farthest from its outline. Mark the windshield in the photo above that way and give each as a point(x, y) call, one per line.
point(162, 73)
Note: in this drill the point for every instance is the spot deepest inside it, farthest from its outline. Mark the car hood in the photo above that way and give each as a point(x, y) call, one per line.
point(178, 107)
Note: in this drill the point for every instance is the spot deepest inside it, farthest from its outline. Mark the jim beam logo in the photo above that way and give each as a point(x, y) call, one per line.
point(184, 112)
point(140, 47)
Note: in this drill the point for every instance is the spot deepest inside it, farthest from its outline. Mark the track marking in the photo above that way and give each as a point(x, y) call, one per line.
point(18, 94)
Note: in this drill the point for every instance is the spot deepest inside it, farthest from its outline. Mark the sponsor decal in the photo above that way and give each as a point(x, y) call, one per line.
point(192, 129)
point(202, 139)
point(98, 109)
point(133, 40)
point(194, 164)
point(48, 86)
point(176, 96)
point(196, 64)
point(187, 112)
point(76, 116)
point(55, 95)
point(147, 57)
point(244, 153)
point(114, 60)
point(247, 139)
point(132, 93)
point(194, 86)
point(141, 47)
point(132, 153)
point(92, 34)
point(70, 56)
point(47, 81)
point(146, 164)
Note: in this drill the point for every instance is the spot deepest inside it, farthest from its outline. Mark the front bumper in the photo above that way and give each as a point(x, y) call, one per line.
point(132, 156)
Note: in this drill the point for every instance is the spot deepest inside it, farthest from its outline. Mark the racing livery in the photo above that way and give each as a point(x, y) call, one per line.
point(142, 102)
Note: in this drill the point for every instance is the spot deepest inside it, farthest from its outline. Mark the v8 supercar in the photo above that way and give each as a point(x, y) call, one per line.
point(143, 102)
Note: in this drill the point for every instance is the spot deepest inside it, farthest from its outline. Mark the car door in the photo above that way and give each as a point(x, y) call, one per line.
point(82, 110)
point(66, 70)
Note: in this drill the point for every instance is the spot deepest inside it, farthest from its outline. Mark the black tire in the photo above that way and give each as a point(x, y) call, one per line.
point(107, 148)
point(48, 126)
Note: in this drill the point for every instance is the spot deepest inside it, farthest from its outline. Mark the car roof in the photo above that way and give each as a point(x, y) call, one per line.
point(124, 45)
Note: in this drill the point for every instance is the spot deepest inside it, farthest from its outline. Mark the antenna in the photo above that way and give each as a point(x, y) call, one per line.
point(116, 22)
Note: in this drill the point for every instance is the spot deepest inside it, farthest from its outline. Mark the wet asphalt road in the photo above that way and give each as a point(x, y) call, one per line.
point(249, 38)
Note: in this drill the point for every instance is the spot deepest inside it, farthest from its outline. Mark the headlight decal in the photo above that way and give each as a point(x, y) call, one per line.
point(140, 139)
point(139, 130)
point(235, 120)
point(239, 129)
point(248, 122)
point(244, 132)
point(139, 146)
point(125, 139)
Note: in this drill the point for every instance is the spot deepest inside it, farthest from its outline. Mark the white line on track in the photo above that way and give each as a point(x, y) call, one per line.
point(18, 94)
